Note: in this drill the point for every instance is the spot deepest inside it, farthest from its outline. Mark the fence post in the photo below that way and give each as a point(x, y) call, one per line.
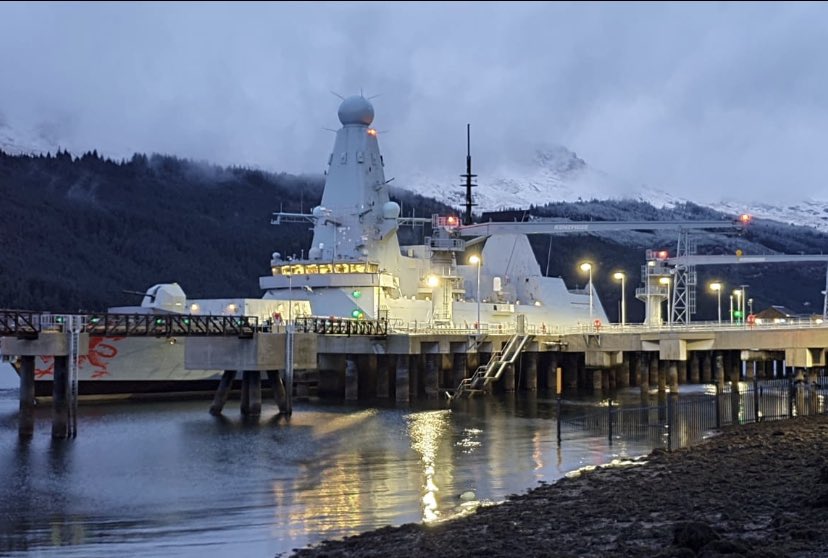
point(790, 396)
point(718, 408)
point(756, 417)
point(609, 420)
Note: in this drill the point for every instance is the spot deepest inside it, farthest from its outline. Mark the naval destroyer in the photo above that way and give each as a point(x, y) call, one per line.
point(355, 268)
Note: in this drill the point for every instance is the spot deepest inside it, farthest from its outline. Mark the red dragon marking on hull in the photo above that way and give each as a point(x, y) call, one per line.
point(100, 353)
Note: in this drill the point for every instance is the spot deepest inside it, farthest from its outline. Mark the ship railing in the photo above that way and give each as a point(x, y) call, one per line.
point(341, 326)
point(168, 325)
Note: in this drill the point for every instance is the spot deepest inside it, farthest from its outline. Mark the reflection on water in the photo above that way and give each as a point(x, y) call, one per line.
point(167, 479)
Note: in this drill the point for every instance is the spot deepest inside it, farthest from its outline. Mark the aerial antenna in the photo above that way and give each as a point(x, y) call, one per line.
point(467, 218)
point(330, 130)
point(374, 96)
point(335, 94)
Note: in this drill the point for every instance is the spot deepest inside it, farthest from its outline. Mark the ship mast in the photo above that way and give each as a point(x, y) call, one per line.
point(467, 218)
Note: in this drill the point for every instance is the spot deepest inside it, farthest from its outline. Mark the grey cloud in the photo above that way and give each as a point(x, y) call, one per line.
point(703, 100)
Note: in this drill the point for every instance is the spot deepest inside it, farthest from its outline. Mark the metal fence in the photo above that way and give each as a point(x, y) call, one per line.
point(675, 422)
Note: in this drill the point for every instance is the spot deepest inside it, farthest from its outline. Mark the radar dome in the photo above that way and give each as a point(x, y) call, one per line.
point(390, 210)
point(356, 110)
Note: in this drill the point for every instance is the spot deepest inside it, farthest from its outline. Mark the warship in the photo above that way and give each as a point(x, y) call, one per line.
point(355, 268)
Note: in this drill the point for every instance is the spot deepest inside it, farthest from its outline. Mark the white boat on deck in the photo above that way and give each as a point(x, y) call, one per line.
point(355, 268)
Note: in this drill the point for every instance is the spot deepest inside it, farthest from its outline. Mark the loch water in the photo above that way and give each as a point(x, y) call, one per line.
point(167, 479)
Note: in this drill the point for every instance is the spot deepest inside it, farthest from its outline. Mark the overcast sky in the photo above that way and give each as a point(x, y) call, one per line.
point(704, 100)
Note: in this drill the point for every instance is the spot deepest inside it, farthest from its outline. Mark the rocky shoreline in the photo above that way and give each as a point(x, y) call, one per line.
point(755, 490)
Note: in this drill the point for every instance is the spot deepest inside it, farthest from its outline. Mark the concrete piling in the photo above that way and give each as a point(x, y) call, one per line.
point(530, 371)
point(27, 397)
point(403, 379)
point(223, 392)
point(707, 367)
point(60, 398)
point(431, 375)
point(673, 375)
point(251, 398)
point(351, 378)
point(281, 397)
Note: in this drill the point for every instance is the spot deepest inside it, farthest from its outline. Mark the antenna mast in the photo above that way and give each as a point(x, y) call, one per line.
point(467, 218)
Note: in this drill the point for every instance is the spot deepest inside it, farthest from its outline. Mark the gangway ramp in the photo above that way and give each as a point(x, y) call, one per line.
point(491, 372)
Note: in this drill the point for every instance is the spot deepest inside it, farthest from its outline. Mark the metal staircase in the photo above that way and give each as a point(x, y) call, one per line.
point(486, 374)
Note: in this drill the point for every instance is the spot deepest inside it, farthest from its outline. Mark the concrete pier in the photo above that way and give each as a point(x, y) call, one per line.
point(403, 379)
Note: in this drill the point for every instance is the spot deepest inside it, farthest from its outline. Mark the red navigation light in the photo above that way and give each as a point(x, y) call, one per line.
point(662, 255)
point(745, 218)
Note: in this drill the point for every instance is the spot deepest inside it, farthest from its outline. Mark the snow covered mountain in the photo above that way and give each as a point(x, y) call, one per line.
point(559, 175)
point(17, 142)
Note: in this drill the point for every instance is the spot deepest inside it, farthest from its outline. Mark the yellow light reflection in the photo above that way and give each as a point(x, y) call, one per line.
point(425, 430)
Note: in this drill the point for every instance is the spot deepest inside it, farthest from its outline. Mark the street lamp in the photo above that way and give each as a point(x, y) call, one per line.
point(717, 287)
point(738, 294)
point(666, 281)
point(731, 308)
point(475, 260)
point(586, 266)
point(619, 276)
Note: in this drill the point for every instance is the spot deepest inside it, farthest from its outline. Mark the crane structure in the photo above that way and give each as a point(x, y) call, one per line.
point(692, 260)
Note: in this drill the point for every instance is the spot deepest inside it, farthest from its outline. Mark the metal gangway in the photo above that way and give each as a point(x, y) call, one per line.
point(491, 372)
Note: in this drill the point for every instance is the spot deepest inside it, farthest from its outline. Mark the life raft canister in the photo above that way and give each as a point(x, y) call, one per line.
point(597, 323)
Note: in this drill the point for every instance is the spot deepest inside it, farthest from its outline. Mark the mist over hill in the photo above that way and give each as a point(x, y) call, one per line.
point(76, 231)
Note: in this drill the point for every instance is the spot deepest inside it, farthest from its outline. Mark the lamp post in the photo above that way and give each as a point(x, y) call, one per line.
point(586, 266)
point(290, 299)
point(666, 281)
point(475, 260)
point(731, 308)
point(619, 276)
point(717, 287)
point(738, 294)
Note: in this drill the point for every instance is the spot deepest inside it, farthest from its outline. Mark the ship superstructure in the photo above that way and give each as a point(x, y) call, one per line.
point(356, 268)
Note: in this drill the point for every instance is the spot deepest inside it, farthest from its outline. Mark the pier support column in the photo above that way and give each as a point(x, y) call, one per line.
point(695, 372)
point(351, 378)
point(60, 401)
point(251, 400)
point(27, 397)
point(682, 371)
point(383, 377)
point(662, 376)
point(719, 370)
point(597, 378)
point(622, 373)
point(431, 375)
point(508, 379)
point(403, 379)
point(530, 371)
point(459, 368)
point(223, 392)
point(283, 399)
point(570, 373)
point(673, 376)
point(707, 367)
point(653, 373)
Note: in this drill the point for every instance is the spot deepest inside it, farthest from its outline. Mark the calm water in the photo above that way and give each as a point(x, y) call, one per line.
point(167, 479)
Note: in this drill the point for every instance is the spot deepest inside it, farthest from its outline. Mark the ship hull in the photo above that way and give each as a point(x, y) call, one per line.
point(131, 366)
